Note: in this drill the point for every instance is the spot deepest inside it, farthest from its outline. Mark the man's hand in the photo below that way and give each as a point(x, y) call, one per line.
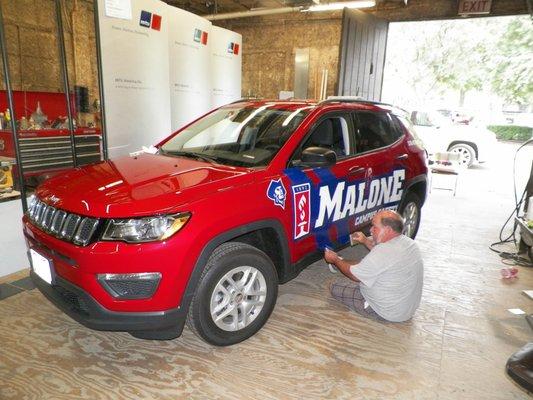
point(343, 265)
point(331, 257)
point(360, 237)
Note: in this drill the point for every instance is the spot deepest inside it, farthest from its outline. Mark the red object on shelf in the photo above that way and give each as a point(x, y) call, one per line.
point(25, 103)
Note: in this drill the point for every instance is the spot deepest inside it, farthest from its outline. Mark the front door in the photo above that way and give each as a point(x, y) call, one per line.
point(322, 197)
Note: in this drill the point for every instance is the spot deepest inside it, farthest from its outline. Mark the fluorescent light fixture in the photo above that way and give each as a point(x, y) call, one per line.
point(340, 5)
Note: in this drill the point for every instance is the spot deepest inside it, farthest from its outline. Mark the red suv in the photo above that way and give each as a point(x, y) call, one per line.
point(228, 207)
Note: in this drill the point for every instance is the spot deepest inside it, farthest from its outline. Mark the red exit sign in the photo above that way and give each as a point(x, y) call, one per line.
point(467, 7)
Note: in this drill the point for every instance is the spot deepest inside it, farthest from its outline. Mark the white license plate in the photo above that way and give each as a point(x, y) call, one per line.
point(41, 266)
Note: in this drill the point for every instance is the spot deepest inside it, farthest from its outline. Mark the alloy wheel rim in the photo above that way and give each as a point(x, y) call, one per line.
point(238, 298)
point(464, 155)
point(410, 216)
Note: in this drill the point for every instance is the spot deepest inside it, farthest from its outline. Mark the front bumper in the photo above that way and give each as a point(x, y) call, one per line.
point(81, 307)
point(76, 290)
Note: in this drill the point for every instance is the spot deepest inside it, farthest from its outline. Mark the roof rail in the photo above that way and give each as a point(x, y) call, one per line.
point(243, 99)
point(352, 99)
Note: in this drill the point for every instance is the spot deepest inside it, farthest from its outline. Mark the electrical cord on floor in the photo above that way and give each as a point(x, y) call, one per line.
point(515, 257)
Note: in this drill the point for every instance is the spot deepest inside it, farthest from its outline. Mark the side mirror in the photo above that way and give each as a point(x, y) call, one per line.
point(318, 157)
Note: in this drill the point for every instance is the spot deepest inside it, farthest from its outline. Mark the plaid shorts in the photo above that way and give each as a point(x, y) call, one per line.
point(349, 294)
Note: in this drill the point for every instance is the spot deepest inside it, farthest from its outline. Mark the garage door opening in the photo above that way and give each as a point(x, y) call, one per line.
point(467, 86)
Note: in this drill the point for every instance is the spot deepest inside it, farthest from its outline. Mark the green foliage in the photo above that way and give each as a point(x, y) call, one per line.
point(513, 63)
point(512, 132)
point(493, 55)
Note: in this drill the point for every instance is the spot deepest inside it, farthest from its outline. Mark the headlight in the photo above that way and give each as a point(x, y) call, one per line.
point(148, 229)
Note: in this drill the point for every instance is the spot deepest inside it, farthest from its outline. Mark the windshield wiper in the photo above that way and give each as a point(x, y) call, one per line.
point(190, 154)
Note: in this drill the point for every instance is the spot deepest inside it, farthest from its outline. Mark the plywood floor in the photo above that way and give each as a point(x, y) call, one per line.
point(455, 347)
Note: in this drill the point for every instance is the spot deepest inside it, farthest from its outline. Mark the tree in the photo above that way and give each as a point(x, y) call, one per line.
point(512, 73)
point(427, 59)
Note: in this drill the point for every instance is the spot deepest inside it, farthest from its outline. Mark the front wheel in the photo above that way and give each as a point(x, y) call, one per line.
point(467, 154)
point(235, 296)
point(410, 210)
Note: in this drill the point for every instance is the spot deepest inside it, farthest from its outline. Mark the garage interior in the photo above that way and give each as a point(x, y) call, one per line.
point(455, 347)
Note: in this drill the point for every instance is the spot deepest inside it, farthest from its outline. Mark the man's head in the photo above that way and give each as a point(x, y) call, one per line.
point(386, 225)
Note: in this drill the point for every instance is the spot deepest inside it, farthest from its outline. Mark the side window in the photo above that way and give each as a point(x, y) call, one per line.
point(373, 130)
point(397, 127)
point(331, 133)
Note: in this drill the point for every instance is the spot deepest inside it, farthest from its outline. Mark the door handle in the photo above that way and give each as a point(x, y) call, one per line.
point(402, 157)
point(356, 170)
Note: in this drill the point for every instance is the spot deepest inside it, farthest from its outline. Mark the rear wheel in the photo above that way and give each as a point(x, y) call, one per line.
point(410, 210)
point(235, 296)
point(467, 154)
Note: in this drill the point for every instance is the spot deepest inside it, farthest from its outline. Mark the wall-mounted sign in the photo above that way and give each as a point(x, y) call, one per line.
point(469, 7)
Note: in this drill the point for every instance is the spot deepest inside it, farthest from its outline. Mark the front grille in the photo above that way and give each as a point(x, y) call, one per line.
point(61, 224)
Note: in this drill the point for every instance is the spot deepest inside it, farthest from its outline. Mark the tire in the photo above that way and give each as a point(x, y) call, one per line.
point(411, 211)
point(236, 295)
point(467, 155)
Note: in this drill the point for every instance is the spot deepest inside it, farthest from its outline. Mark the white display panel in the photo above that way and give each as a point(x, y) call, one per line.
point(135, 72)
point(162, 68)
point(190, 72)
point(226, 65)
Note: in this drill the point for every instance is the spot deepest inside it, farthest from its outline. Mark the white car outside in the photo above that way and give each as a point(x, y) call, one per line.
point(473, 144)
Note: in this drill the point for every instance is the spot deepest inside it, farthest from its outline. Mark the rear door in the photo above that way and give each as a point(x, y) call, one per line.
point(382, 152)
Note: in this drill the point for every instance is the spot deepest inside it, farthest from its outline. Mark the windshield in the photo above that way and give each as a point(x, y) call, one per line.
point(239, 136)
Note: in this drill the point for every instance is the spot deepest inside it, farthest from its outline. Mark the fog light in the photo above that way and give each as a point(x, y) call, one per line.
point(130, 286)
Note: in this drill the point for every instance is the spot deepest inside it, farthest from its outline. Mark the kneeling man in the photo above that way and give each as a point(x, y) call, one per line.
point(387, 282)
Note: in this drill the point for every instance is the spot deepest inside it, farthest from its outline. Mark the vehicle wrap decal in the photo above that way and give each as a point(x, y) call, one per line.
point(299, 179)
point(327, 207)
point(277, 193)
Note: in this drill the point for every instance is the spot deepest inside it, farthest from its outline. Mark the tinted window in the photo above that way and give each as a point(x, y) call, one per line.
point(332, 133)
point(396, 125)
point(373, 130)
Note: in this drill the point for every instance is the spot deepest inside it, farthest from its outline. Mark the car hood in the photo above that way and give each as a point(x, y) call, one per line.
point(137, 186)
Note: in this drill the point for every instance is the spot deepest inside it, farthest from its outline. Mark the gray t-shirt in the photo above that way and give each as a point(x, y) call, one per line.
point(391, 278)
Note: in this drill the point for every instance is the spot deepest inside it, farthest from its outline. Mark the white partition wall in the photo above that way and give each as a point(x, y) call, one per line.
point(190, 67)
point(135, 69)
point(226, 65)
point(162, 68)
point(13, 256)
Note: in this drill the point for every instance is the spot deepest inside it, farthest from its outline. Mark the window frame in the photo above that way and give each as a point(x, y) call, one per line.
point(391, 129)
point(333, 114)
